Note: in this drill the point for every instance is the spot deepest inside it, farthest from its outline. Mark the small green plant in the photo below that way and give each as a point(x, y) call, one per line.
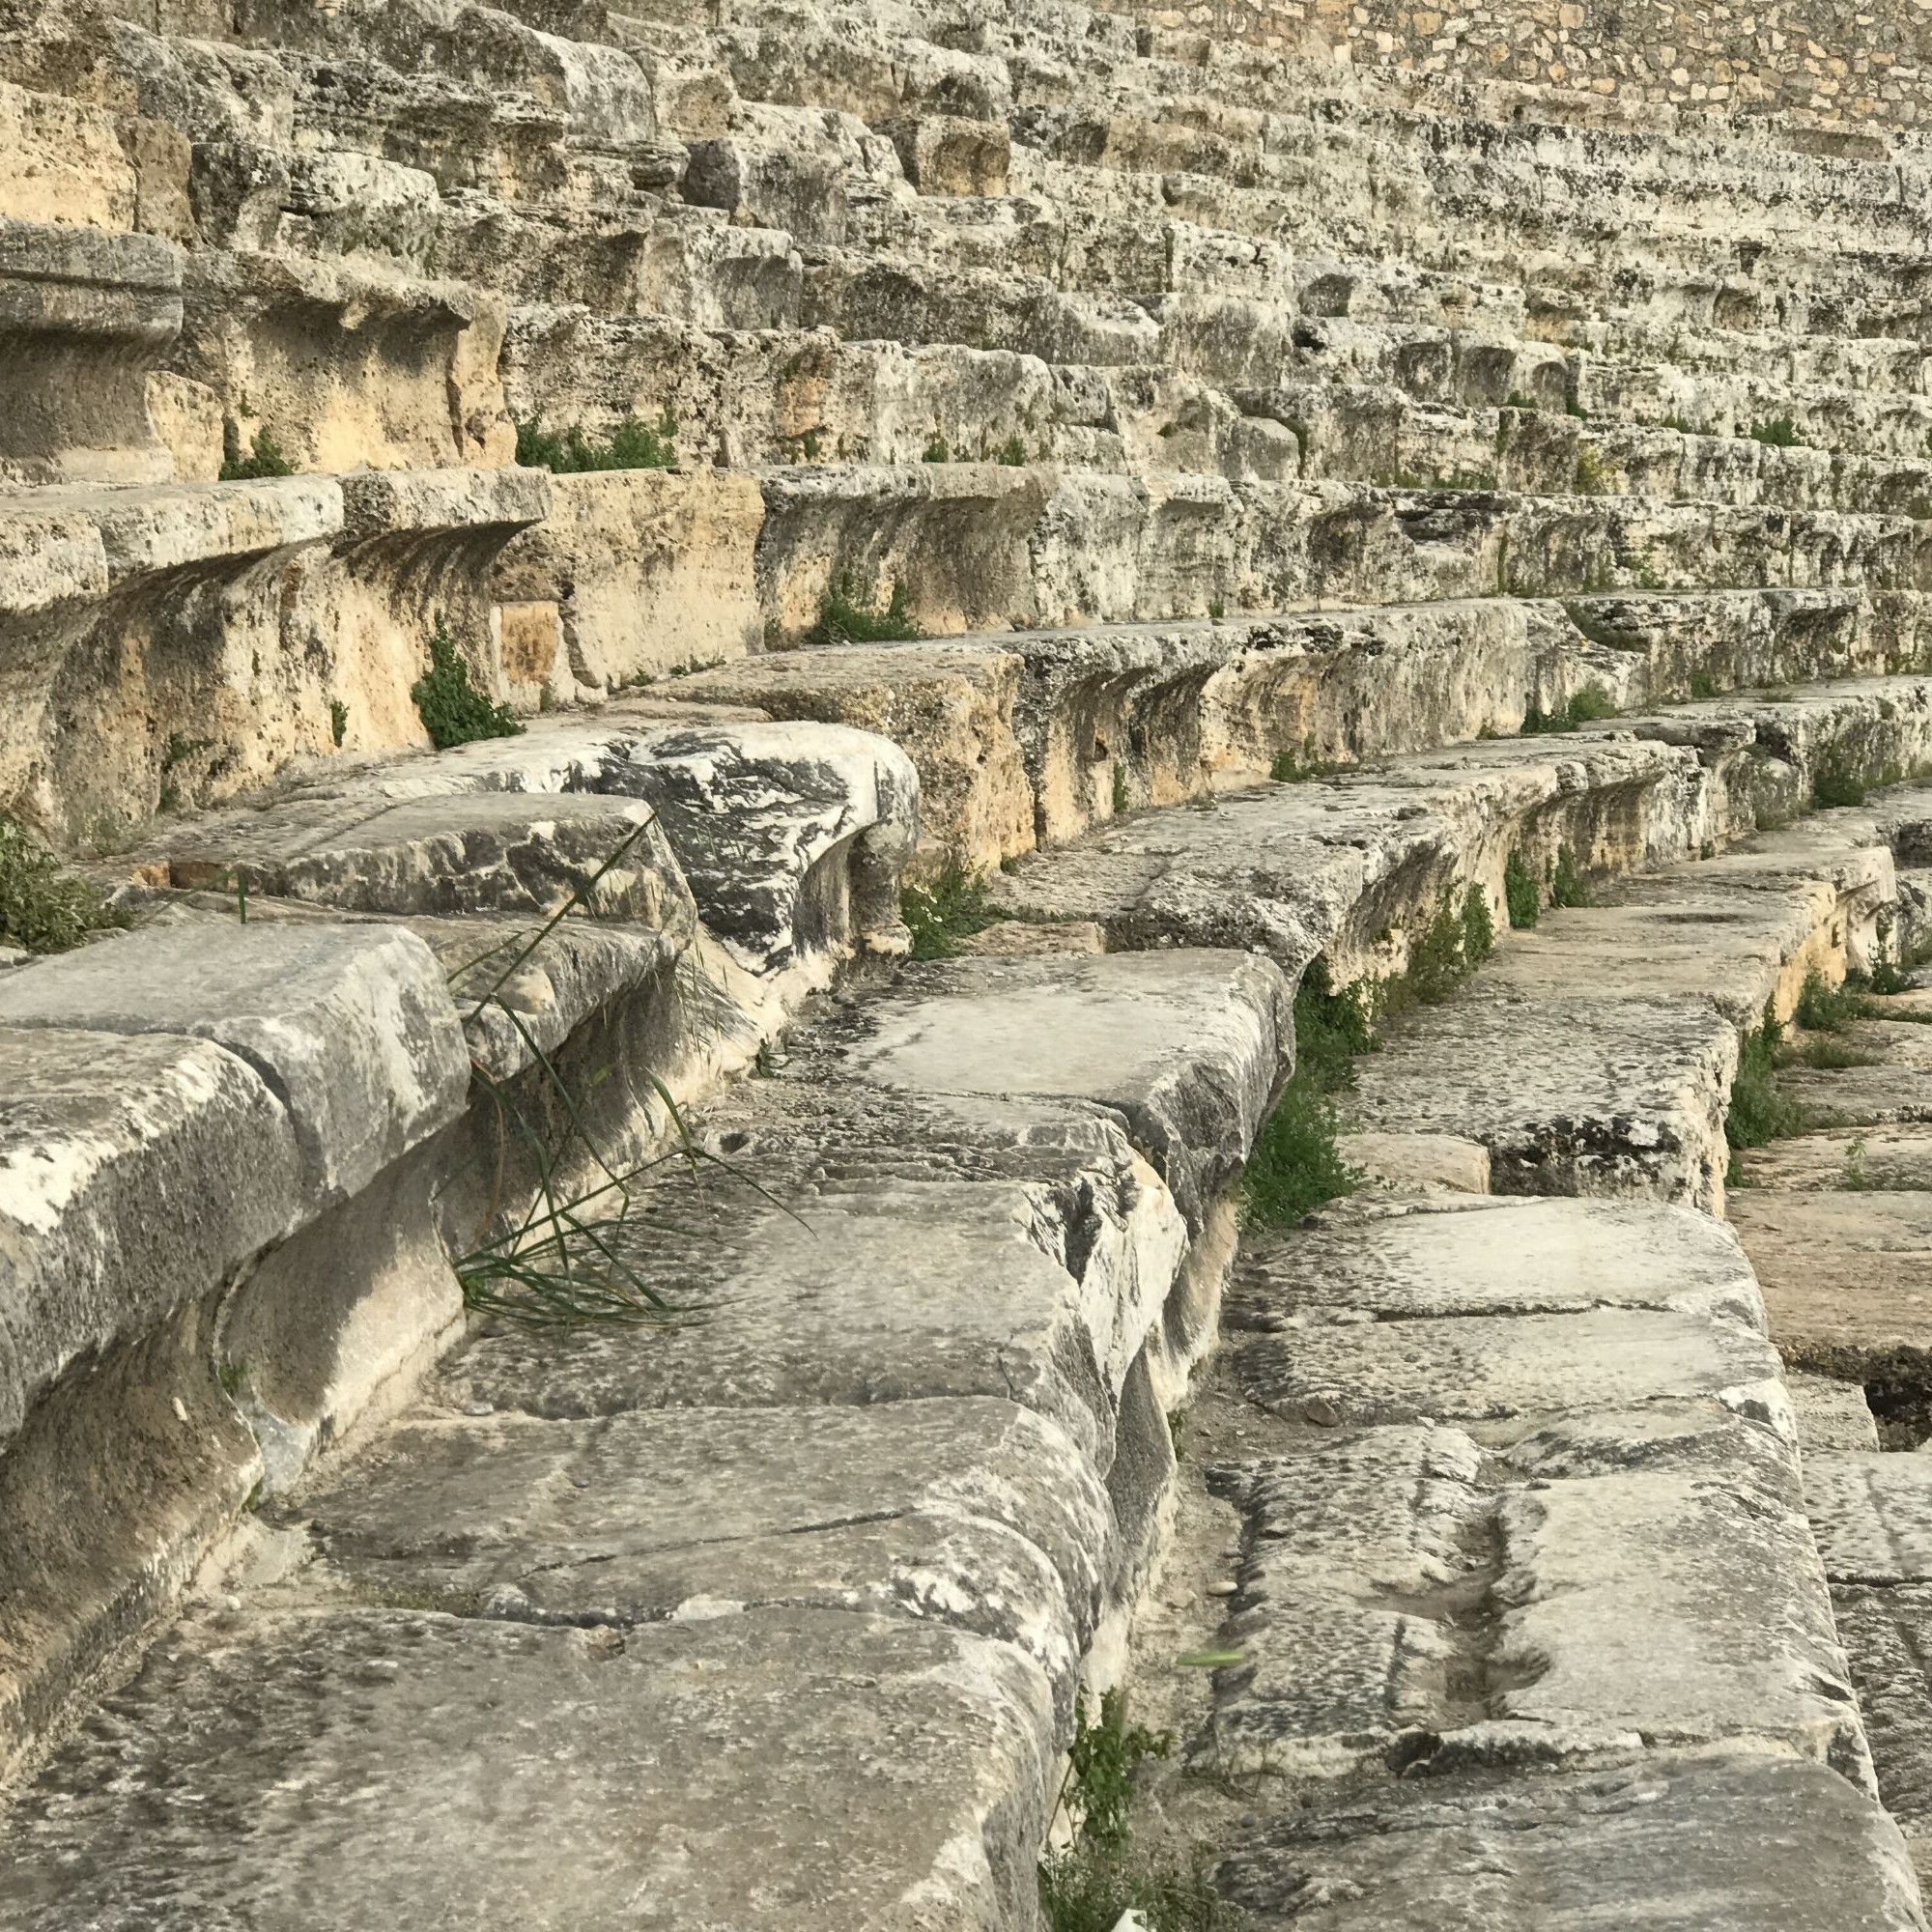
point(1779, 432)
point(1479, 929)
point(1674, 421)
point(453, 711)
point(1120, 799)
point(1573, 407)
point(843, 619)
point(1836, 781)
point(1011, 453)
point(1097, 1791)
point(938, 451)
point(1516, 400)
point(1855, 1179)
point(1590, 705)
point(634, 444)
point(1296, 1165)
point(1593, 474)
point(1569, 884)
point(939, 916)
point(1758, 1113)
point(1217, 608)
point(1823, 1008)
point(264, 459)
point(42, 908)
point(1088, 1888)
point(1286, 768)
point(338, 721)
point(1521, 897)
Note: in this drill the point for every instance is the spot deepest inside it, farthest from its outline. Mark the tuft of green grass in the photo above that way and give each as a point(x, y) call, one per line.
point(1520, 897)
point(1588, 706)
point(634, 444)
point(1294, 1165)
point(1011, 453)
point(938, 451)
point(1593, 473)
point(1779, 432)
point(1823, 1008)
point(265, 459)
point(338, 721)
point(44, 908)
point(1568, 884)
point(1088, 1887)
point(1758, 1113)
point(1289, 768)
point(942, 914)
point(1837, 780)
point(843, 619)
point(1827, 1055)
point(453, 711)
point(1100, 1875)
point(1479, 929)
point(1120, 801)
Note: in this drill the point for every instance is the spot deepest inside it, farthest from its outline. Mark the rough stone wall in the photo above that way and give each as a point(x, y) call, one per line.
point(1832, 60)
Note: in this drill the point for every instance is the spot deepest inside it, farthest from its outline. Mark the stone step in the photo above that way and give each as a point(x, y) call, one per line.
point(306, 1074)
point(1030, 1278)
point(176, 644)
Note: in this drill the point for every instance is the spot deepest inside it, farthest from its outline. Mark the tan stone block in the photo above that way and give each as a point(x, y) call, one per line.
point(528, 637)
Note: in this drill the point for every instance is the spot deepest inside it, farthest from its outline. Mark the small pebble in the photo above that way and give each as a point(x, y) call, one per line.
point(479, 1408)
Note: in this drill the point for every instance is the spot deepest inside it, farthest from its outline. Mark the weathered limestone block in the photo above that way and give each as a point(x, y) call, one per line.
point(84, 316)
point(1693, 1843)
point(1845, 1275)
point(351, 1026)
point(1584, 1094)
point(884, 1292)
point(135, 1175)
point(61, 159)
point(870, 1755)
point(1899, 1157)
point(186, 416)
point(1513, 1372)
point(1404, 1163)
point(944, 153)
point(417, 550)
point(954, 535)
point(950, 706)
point(348, 366)
point(650, 571)
point(1872, 1516)
point(471, 852)
point(1830, 1414)
point(1186, 1045)
point(1497, 1257)
point(132, 620)
point(973, 1514)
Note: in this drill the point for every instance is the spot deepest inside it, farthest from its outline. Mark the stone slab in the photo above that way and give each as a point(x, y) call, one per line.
point(1594, 1093)
point(1846, 1276)
point(135, 1174)
point(784, 1768)
point(1429, 1163)
point(1641, 1578)
point(1186, 1045)
point(475, 852)
point(351, 1027)
point(1886, 1633)
point(1872, 1515)
point(1830, 1414)
point(974, 1513)
point(896, 1293)
point(1688, 1843)
point(1494, 1256)
point(1897, 1159)
point(1508, 1372)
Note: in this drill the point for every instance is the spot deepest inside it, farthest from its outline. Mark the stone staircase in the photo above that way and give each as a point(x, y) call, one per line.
point(1221, 508)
